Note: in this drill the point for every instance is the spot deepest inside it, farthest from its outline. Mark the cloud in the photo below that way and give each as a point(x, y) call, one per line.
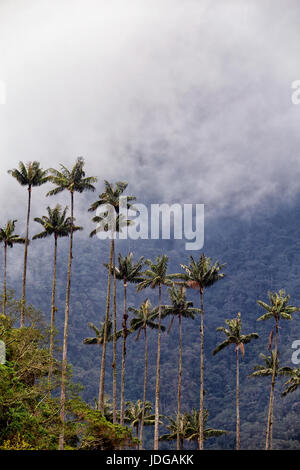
point(188, 101)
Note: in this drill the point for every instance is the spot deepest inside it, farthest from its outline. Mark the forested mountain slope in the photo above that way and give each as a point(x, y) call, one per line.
point(262, 253)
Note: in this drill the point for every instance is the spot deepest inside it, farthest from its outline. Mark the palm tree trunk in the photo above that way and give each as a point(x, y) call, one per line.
point(269, 434)
point(124, 325)
point(145, 389)
point(53, 310)
point(25, 261)
point(237, 401)
point(66, 332)
point(179, 383)
point(114, 364)
point(156, 423)
point(4, 282)
point(102, 372)
point(201, 435)
point(137, 433)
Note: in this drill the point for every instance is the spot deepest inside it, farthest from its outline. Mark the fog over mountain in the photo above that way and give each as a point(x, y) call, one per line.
point(188, 101)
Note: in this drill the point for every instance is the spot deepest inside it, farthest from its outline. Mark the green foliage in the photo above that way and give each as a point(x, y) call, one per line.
point(30, 174)
point(234, 335)
point(29, 416)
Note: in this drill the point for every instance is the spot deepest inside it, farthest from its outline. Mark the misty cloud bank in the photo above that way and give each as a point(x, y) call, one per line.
point(189, 101)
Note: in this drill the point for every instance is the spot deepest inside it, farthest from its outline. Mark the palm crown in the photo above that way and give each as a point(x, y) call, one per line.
point(234, 335)
point(30, 174)
point(156, 274)
point(56, 223)
point(7, 235)
point(73, 180)
point(99, 334)
point(144, 317)
point(127, 270)
point(293, 383)
point(202, 273)
point(180, 306)
point(266, 369)
point(133, 413)
point(189, 427)
point(111, 196)
point(279, 307)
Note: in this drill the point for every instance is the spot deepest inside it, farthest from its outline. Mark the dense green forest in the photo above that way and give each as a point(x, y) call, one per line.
point(261, 255)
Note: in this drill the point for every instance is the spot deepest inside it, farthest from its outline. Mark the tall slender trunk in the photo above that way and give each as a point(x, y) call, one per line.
point(237, 401)
point(157, 387)
point(201, 411)
point(53, 311)
point(23, 300)
point(145, 389)
point(179, 383)
point(103, 360)
point(125, 332)
point(66, 332)
point(137, 433)
point(114, 364)
point(269, 434)
point(4, 282)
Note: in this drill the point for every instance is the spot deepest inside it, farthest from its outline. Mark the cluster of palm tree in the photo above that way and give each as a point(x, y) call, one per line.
point(199, 274)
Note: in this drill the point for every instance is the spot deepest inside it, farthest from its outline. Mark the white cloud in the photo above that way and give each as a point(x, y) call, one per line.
point(188, 101)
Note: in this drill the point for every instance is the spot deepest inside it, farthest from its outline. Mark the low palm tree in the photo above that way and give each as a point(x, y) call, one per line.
point(235, 337)
point(279, 309)
point(189, 428)
point(156, 276)
point(73, 180)
point(176, 427)
point(266, 369)
point(293, 383)
point(133, 415)
point(9, 239)
point(192, 427)
point(111, 221)
point(201, 275)
point(180, 308)
point(144, 318)
point(128, 272)
point(31, 175)
point(58, 225)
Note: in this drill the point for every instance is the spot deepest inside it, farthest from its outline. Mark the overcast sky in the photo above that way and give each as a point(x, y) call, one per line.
point(187, 100)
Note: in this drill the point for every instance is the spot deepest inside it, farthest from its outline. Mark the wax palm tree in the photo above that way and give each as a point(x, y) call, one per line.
point(176, 427)
point(111, 220)
point(201, 275)
point(192, 427)
point(133, 415)
point(266, 369)
point(144, 318)
point(180, 308)
point(99, 334)
point(156, 276)
point(9, 239)
point(235, 337)
point(73, 180)
point(279, 309)
point(293, 383)
point(31, 175)
point(58, 225)
point(128, 272)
